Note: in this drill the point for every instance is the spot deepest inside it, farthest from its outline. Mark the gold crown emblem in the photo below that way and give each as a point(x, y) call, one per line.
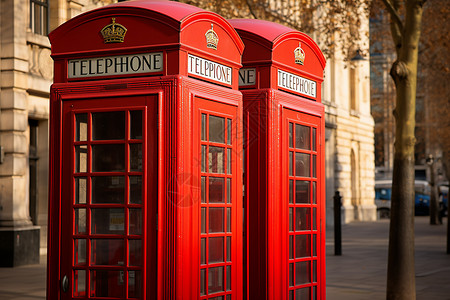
point(114, 32)
point(299, 55)
point(212, 39)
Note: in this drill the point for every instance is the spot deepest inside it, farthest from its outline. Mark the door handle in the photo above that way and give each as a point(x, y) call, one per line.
point(65, 284)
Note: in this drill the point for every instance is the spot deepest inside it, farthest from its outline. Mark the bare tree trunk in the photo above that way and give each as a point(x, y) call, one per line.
point(401, 275)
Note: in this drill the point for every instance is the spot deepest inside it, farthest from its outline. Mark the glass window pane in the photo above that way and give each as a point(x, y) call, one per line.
point(228, 219)
point(314, 139)
point(291, 212)
point(79, 286)
point(136, 124)
point(203, 129)
point(291, 159)
point(135, 221)
point(304, 293)
point(314, 270)
point(314, 292)
point(135, 252)
point(81, 159)
point(314, 192)
point(215, 280)
point(216, 250)
point(291, 191)
point(314, 225)
point(107, 252)
point(228, 248)
point(216, 219)
point(134, 284)
point(108, 125)
point(80, 190)
point(302, 246)
point(302, 272)
point(135, 189)
point(301, 191)
point(107, 221)
point(80, 220)
point(203, 189)
point(202, 282)
point(291, 274)
point(203, 251)
point(228, 278)
point(108, 189)
point(302, 218)
point(228, 161)
point(106, 283)
point(302, 162)
point(203, 220)
point(203, 159)
point(291, 247)
point(290, 134)
point(81, 127)
point(216, 160)
point(302, 137)
point(229, 131)
point(108, 158)
point(314, 166)
point(228, 190)
point(135, 157)
point(216, 190)
point(216, 129)
point(79, 251)
point(314, 249)
point(291, 294)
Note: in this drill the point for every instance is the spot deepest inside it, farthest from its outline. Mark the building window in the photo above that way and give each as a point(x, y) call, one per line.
point(39, 17)
point(33, 161)
point(353, 91)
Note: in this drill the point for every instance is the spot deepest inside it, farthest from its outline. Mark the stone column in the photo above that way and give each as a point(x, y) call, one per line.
point(19, 239)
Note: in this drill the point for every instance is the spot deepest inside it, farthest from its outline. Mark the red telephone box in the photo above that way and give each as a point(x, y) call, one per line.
point(284, 162)
point(146, 160)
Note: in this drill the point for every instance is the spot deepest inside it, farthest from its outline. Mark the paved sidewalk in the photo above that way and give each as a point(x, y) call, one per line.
point(359, 274)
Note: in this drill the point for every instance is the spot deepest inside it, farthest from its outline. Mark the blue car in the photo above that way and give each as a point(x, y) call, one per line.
point(383, 192)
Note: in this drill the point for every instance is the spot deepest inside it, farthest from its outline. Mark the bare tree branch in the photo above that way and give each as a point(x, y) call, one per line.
point(397, 24)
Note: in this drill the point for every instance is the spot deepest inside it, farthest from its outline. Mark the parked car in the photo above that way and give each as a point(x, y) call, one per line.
point(383, 193)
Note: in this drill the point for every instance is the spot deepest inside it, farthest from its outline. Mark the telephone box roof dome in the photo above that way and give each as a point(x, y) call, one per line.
point(172, 15)
point(271, 35)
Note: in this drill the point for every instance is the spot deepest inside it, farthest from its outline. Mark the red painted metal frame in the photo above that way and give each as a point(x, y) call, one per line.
point(269, 47)
point(175, 31)
point(148, 107)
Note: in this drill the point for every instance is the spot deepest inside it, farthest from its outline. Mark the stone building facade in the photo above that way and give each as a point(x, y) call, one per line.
point(26, 73)
point(349, 137)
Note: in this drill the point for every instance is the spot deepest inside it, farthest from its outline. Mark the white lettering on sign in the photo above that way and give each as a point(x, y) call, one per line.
point(115, 65)
point(296, 83)
point(247, 77)
point(209, 69)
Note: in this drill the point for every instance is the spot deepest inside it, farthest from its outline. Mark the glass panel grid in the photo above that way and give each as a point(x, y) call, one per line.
point(215, 207)
point(302, 229)
point(111, 195)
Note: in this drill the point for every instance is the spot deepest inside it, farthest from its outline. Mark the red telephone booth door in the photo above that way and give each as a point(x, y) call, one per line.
point(305, 261)
point(109, 198)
